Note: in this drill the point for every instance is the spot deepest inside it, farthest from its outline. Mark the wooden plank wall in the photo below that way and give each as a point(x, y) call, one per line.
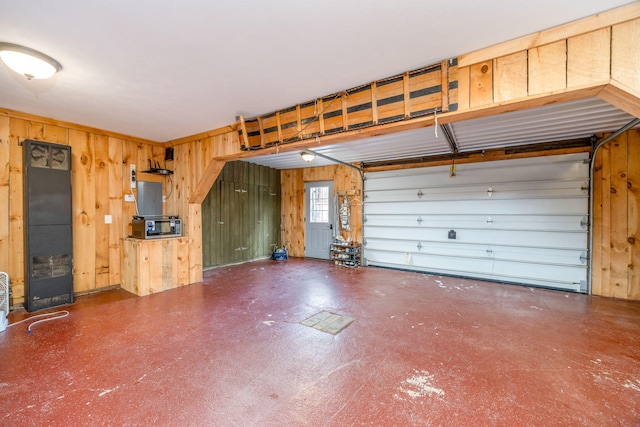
point(616, 218)
point(588, 58)
point(193, 158)
point(100, 180)
point(293, 180)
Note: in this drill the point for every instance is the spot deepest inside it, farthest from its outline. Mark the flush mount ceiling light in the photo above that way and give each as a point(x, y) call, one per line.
point(28, 62)
point(307, 156)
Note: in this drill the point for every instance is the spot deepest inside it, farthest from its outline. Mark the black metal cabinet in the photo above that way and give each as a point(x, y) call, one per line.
point(48, 225)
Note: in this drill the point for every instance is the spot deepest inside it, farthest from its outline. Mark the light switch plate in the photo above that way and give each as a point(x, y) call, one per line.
point(108, 219)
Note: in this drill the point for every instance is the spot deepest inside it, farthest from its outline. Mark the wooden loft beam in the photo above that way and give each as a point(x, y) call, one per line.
point(299, 121)
point(209, 176)
point(621, 96)
point(604, 19)
point(261, 128)
point(320, 115)
point(243, 128)
point(279, 125)
point(406, 95)
point(374, 103)
point(444, 69)
point(425, 121)
point(344, 110)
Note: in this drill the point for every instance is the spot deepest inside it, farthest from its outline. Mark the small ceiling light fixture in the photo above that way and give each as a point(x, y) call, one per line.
point(28, 62)
point(307, 156)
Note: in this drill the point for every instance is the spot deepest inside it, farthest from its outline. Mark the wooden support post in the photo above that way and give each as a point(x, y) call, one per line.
point(299, 121)
point(279, 125)
point(407, 95)
point(319, 114)
point(444, 70)
point(344, 110)
point(374, 103)
point(209, 176)
point(243, 127)
point(262, 137)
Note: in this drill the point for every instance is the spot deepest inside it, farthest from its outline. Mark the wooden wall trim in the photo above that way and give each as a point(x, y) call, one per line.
point(201, 135)
point(69, 125)
point(571, 29)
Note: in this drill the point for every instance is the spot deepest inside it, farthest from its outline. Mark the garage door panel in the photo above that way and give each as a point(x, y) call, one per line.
point(522, 221)
point(509, 253)
point(541, 239)
point(572, 167)
point(487, 206)
point(504, 222)
point(430, 262)
point(508, 191)
point(554, 276)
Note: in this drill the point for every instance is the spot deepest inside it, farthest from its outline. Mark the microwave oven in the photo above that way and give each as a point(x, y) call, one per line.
point(156, 227)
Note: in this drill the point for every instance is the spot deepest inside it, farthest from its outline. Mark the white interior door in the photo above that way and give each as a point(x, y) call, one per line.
point(522, 221)
point(318, 219)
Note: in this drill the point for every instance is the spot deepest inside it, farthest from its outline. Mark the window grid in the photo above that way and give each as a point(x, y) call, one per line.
point(319, 204)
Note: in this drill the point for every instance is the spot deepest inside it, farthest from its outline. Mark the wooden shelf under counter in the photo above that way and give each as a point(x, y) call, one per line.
point(150, 266)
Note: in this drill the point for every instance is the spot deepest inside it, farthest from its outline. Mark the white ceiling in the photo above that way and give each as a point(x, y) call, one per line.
point(162, 70)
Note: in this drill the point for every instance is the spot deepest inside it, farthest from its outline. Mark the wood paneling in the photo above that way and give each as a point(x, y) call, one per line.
point(293, 181)
point(102, 205)
point(84, 210)
point(594, 56)
point(633, 207)
point(618, 239)
point(5, 187)
point(100, 178)
point(116, 200)
point(548, 68)
point(151, 266)
point(481, 86)
point(463, 88)
point(510, 77)
point(562, 32)
point(625, 61)
point(615, 231)
point(589, 57)
point(19, 131)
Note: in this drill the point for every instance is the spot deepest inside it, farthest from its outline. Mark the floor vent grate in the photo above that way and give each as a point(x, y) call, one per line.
point(328, 322)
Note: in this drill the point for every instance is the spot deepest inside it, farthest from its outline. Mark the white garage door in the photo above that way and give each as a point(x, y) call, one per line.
point(521, 221)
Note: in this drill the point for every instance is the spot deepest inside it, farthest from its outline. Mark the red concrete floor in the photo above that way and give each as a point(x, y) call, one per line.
point(424, 350)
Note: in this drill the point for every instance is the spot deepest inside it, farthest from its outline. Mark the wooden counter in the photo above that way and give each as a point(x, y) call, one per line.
point(150, 266)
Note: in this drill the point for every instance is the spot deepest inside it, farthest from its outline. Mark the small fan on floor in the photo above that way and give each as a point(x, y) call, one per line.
point(4, 300)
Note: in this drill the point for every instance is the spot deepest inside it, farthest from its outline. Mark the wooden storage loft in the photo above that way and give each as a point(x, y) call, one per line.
point(423, 92)
point(593, 57)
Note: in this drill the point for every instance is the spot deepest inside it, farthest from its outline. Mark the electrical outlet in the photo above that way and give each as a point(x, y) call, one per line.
point(132, 175)
point(108, 219)
point(129, 198)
